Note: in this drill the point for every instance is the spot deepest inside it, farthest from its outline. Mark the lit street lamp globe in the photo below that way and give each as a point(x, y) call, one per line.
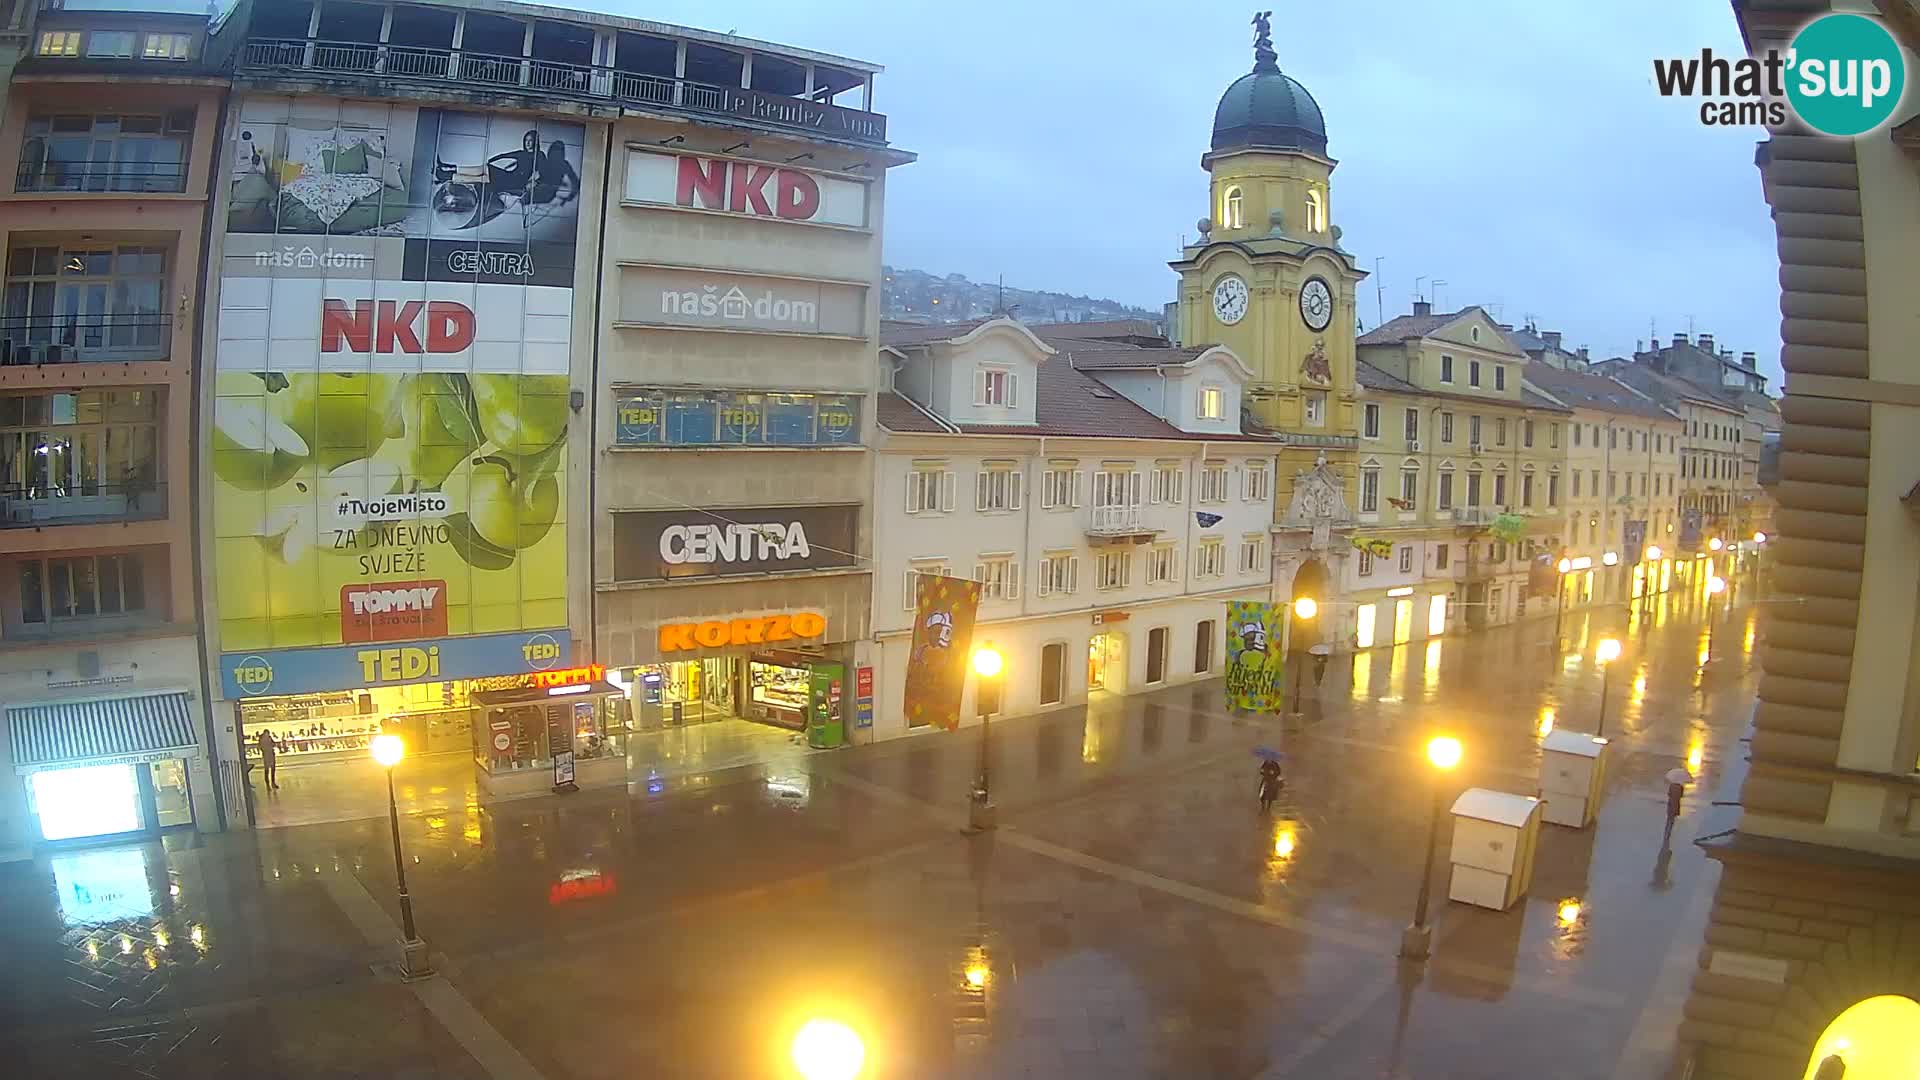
point(1716, 543)
point(1444, 752)
point(1305, 607)
point(987, 661)
point(1566, 565)
point(1716, 585)
point(388, 750)
point(1759, 538)
point(1608, 650)
point(828, 1050)
point(1610, 558)
point(1653, 553)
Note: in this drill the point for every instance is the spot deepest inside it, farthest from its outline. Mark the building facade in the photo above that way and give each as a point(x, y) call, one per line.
point(109, 134)
point(1105, 496)
point(1808, 967)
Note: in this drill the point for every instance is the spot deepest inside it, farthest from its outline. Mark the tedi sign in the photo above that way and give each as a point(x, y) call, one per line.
point(750, 188)
point(1842, 75)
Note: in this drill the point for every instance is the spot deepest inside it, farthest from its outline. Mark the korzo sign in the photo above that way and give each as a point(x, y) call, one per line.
point(748, 188)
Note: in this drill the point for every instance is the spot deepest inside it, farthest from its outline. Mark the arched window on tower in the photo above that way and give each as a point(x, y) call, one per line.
point(1233, 211)
point(1316, 211)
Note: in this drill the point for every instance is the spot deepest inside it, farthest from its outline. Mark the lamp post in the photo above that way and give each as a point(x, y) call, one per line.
point(1560, 602)
point(1606, 653)
point(1715, 586)
point(1416, 942)
point(388, 750)
point(1304, 607)
point(987, 663)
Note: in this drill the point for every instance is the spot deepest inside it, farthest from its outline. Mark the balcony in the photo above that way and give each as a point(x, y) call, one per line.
point(92, 177)
point(1119, 523)
point(98, 339)
point(1474, 515)
point(592, 83)
point(92, 504)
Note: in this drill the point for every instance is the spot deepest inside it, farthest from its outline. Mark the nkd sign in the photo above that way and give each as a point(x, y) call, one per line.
point(666, 296)
point(750, 188)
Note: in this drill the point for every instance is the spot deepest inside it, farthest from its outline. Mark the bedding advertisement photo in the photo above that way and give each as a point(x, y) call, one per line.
point(391, 392)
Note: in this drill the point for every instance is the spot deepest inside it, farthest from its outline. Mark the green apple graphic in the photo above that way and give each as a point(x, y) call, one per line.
point(522, 414)
point(342, 417)
point(441, 427)
point(252, 449)
point(354, 480)
point(506, 505)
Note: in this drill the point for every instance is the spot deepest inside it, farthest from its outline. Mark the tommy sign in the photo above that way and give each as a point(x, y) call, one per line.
point(748, 188)
point(655, 544)
point(664, 296)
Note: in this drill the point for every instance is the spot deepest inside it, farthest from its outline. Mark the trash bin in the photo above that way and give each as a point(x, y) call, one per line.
point(1494, 836)
point(1573, 773)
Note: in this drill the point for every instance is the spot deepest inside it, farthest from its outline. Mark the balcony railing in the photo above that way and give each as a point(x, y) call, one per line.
point(40, 506)
point(1117, 521)
point(570, 80)
point(157, 177)
point(64, 339)
point(1475, 515)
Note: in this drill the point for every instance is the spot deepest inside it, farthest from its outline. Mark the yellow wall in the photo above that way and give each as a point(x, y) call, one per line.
point(1268, 182)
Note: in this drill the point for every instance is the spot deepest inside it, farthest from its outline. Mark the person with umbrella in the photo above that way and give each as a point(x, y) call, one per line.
point(1270, 778)
point(1677, 781)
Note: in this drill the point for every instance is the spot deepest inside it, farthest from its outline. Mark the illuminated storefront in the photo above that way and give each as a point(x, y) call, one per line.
point(106, 767)
point(778, 686)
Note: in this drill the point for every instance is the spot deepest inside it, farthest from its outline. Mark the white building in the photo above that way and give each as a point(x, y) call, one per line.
point(1103, 492)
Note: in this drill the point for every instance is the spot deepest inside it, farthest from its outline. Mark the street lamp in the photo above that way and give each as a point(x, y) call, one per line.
point(827, 1050)
point(987, 663)
point(387, 751)
point(1610, 558)
point(1715, 586)
point(1559, 605)
point(1606, 652)
point(1653, 552)
point(1416, 942)
point(1716, 544)
point(1304, 607)
point(1759, 538)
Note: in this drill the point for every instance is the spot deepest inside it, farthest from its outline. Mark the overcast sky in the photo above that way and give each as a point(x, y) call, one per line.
point(1518, 153)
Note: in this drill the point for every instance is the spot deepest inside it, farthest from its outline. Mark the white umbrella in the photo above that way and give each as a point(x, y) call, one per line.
point(1679, 776)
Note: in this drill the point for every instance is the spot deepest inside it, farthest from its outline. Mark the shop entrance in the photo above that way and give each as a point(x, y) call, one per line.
point(102, 801)
point(772, 688)
point(1402, 621)
point(1107, 662)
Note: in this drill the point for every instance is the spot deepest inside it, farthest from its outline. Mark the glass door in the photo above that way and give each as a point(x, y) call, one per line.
point(172, 800)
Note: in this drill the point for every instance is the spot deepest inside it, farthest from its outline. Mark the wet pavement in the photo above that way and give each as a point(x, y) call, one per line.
point(1134, 916)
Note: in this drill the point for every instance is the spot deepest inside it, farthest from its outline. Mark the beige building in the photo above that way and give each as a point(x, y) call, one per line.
point(1809, 966)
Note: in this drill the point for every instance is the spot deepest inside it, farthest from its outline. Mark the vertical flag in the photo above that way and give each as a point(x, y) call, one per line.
point(944, 609)
point(1690, 522)
point(1255, 661)
point(1633, 542)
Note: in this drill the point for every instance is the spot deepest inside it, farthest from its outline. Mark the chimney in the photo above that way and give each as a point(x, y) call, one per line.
point(1747, 361)
point(1679, 340)
point(1423, 307)
point(1552, 338)
point(1583, 354)
point(1706, 343)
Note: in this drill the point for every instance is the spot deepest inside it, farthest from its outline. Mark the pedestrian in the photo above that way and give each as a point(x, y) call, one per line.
point(1677, 780)
point(269, 750)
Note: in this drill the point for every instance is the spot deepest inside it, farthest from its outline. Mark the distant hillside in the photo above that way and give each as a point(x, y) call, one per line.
point(909, 295)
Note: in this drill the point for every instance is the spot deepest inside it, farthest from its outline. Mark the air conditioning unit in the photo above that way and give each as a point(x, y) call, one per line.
point(1413, 446)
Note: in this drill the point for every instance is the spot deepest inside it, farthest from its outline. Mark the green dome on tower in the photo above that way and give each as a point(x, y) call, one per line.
point(1266, 109)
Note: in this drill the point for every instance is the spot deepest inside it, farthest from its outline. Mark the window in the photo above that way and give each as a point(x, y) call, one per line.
point(107, 152)
point(1577, 429)
point(1526, 433)
point(97, 304)
point(166, 46)
point(1233, 211)
point(1406, 559)
point(1473, 373)
point(1163, 563)
point(918, 569)
point(1210, 558)
point(1369, 491)
point(996, 487)
point(1059, 574)
point(82, 453)
point(60, 43)
point(85, 587)
point(1370, 421)
point(1499, 376)
point(1576, 483)
point(1500, 489)
point(1316, 211)
point(1412, 424)
point(1446, 427)
point(1257, 487)
point(1213, 484)
point(1203, 646)
point(999, 577)
point(110, 44)
point(1112, 569)
point(1594, 430)
point(1366, 563)
point(1442, 554)
point(1499, 431)
point(1316, 404)
point(1169, 483)
point(1553, 489)
point(929, 490)
point(1526, 489)
point(1213, 403)
point(1613, 439)
point(1473, 333)
point(1611, 476)
point(1253, 553)
point(1409, 489)
point(1445, 499)
point(1060, 487)
point(1473, 431)
point(1114, 487)
point(1553, 435)
point(1473, 487)
point(995, 386)
point(1446, 368)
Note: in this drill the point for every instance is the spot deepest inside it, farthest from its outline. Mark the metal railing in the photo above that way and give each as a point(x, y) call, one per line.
point(91, 176)
point(40, 506)
point(64, 339)
point(555, 77)
point(1475, 515)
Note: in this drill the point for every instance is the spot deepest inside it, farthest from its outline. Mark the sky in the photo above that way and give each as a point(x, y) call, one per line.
point(1514, 151)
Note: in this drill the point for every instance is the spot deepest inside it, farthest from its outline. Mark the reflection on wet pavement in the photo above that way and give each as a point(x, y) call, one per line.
point(1135, 916)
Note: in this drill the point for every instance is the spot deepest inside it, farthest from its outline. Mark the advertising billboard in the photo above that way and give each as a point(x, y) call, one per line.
point(658, 416)
point(391, 402)
point(656, 545)
point(746, 188)
point(710, 300)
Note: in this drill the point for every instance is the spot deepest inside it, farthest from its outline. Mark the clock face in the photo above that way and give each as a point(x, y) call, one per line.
point(1316, 304)
point(1230, 299)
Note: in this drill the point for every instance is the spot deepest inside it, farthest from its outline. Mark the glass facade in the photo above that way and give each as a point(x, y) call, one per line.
point(660, 417)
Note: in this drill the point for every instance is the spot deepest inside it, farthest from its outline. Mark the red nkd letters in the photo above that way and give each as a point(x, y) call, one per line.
point(740, 187)
point(392, 326)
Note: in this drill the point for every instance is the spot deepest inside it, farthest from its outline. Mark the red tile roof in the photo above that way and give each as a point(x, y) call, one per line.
point(1068, 402)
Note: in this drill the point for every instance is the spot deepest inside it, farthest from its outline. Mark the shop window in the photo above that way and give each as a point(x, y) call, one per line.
point(1203, 647)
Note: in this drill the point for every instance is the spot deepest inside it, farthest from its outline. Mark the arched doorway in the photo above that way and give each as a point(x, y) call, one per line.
point(1310, 581)
point(1877, 1038)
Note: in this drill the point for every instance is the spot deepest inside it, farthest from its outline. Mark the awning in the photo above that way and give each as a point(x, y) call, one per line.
point(76, 732)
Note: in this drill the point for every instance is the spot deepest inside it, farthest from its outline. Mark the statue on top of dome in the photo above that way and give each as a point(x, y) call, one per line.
point(1264, 58)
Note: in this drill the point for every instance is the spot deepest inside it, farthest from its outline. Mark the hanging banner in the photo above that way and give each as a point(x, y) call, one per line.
point(1206, 520)
point(1380, 549)
point(943, 616)
point(1690, 530)
point(1543, 574)
point(1633, 541)
point(1255, 661)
